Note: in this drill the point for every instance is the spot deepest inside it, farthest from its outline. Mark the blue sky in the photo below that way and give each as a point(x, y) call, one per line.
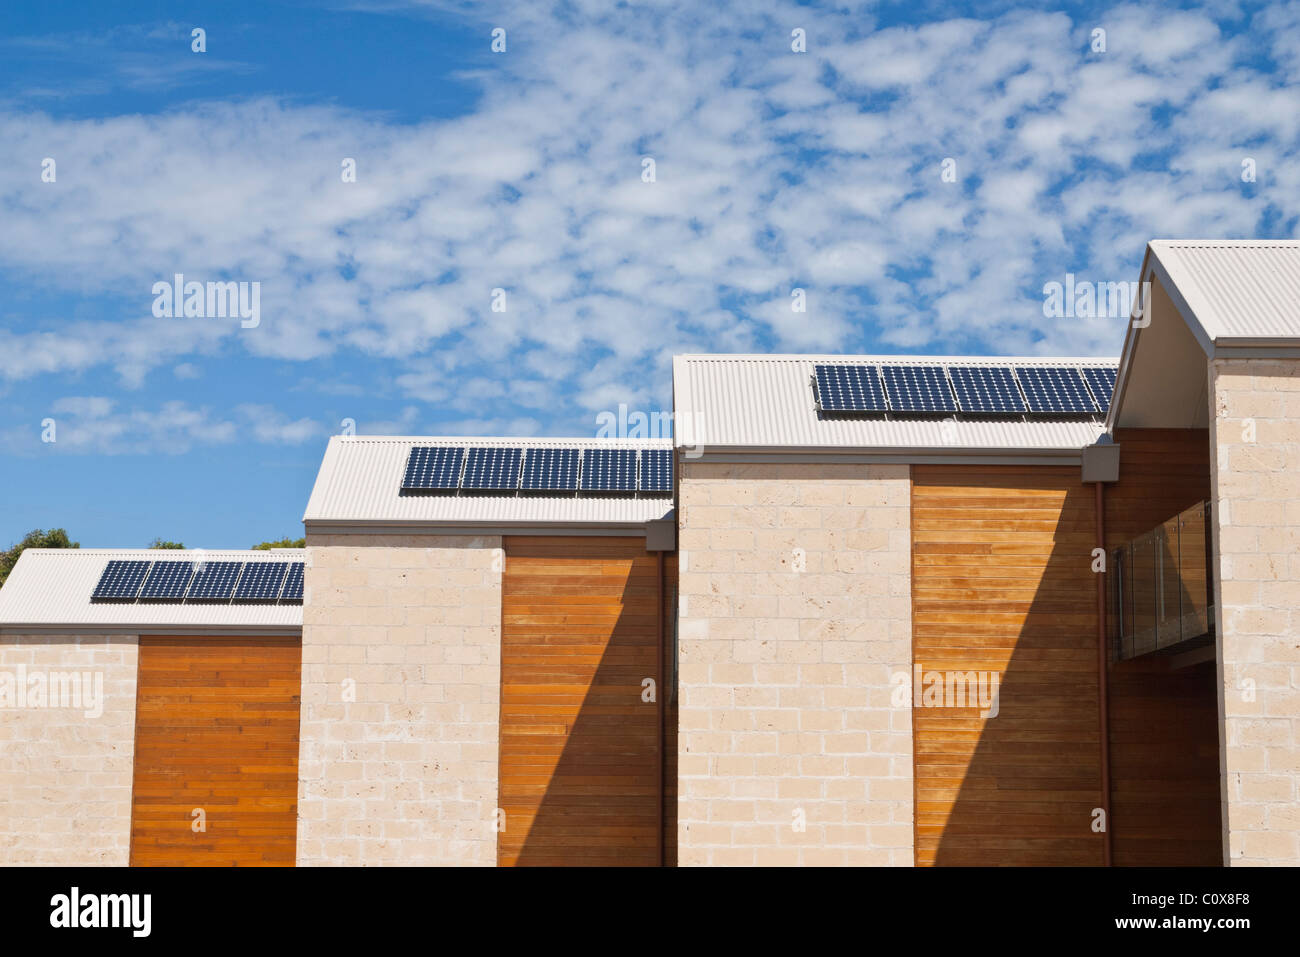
point(523, 171)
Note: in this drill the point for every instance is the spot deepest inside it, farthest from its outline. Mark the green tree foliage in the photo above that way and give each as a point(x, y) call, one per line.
point(282, 543)
point(159, 543)
point(37, 538)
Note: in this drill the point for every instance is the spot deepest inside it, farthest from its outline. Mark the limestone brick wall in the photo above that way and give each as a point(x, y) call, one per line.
point(795, 611)
point(65, 771)
point(1255, 460)
point(406, 772)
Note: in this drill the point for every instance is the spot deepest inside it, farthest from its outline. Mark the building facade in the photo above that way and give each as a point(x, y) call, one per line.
point(861, 610)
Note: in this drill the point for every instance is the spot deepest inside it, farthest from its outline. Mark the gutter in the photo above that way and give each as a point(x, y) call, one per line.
point(885, 456)
point(211, 631)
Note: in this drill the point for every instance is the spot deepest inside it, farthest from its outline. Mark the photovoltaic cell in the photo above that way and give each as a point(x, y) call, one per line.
point(986, 389)
point(167, 580)
point(213, 581)
point(657, 470)
point(261, 581)
point(1102, 384)
point(492, 469)
point(292, 593)
point(609, 470)
point(121, 579)
point(849, 389)
point(917, 389)
point(1054, 389)
point(551, 470)
point(433, 468)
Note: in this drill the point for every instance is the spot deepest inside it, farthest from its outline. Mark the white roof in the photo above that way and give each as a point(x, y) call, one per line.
point(751, 402)
point(1236, 289)
point(360, 482)
point(49, 589)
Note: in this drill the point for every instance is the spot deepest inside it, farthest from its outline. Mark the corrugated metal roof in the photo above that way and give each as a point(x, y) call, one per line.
point(1246, 289)
point(360, 480)
point(766, 402)
point(51, 587)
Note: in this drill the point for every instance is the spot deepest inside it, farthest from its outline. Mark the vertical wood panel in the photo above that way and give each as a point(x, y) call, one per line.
point(670, 710)
point(217, 729)
point(1163, 724)
point(579, 748)
point(1001, 582)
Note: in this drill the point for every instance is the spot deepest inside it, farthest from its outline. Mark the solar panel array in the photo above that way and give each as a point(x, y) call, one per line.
point(261, 581)
point(657, 470)
point(506, 469)
point(121, 581)
point(609, 470)
point(850, 389)
point(977, 390)
point(214, 581)
point(918, 389)
point(1055, 390)
point(205, 581)
point(551, 470)
point(986, 389)
point(1102, 384)
point(167, 581)
point(492, 469)
point(434, 468)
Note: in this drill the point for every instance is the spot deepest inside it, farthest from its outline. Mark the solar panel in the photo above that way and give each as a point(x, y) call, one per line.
point(917, 389)
point(213, 581)
point(167, 580)
point(492, 469)
point(849, 389)
point(1054, 389)
point(120, 579)
point(551, 470)
point(609, 470)
point(433, 468)
point(1102, 384)
point(261, 581)
point(657, 470)
point(986, 389)
point(293, 584)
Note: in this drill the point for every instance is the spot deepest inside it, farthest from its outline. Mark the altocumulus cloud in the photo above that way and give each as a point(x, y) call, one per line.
point(774, 170)
point(97, 424)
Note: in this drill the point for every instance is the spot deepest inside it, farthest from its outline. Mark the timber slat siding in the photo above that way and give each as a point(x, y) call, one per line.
point(579, 748)
point(1164, 734)
point(1001, 583)
point(217, 729)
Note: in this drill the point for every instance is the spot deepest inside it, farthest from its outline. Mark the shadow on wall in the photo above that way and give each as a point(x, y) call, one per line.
point(579, 745)
point(1002, 584)
point(1010, 595)
point(1164, 724)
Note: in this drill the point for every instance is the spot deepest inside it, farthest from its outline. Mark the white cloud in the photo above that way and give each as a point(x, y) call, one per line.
point(772, 171)
point(97, 424)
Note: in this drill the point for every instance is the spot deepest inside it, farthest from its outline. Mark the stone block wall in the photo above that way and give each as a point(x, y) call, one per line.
point(400, 700)
point(1255, 461)
point(795, 613)
point(66, 765)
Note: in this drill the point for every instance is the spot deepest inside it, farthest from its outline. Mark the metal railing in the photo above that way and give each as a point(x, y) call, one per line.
point(1161, 589)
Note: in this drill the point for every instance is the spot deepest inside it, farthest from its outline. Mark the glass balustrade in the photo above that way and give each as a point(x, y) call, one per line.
point(1161, 588)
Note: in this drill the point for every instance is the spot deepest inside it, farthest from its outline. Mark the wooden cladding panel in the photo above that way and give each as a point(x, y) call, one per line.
point(217, 729)
point(1001, 584)
point(1164, 736)
point(670, 711)
point(579, 774)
